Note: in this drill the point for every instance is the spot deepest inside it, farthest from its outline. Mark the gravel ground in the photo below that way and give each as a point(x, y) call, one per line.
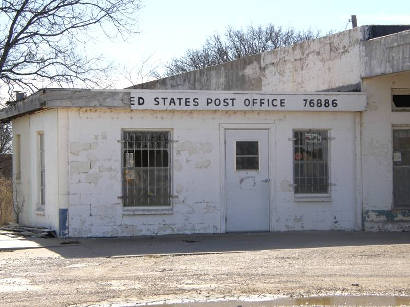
point(47, 277)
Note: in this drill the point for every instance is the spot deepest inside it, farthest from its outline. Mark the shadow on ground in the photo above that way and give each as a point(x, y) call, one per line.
point(186, 244)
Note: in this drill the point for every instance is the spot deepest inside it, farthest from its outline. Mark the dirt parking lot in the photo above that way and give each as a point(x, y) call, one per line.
point(147, 270)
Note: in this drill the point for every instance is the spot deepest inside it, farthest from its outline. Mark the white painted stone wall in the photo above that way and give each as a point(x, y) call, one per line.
point(26, 190)
point(95, 172)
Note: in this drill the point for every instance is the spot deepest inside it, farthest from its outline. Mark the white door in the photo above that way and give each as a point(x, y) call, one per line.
point(247, 180)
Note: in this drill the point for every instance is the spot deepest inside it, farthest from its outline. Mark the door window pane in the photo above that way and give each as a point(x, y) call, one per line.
point(247, 155)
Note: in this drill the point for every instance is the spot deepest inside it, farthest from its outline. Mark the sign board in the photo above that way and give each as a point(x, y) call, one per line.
point(397, 156)
point(313, 138)
point(245, 101)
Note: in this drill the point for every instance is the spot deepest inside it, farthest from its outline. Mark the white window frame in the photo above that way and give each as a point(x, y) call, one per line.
point(312, 197)
point(141, 209)
point(41, 171)
point(17, 152)
point(399, 91)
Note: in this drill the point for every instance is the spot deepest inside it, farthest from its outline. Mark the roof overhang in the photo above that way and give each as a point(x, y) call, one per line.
point(179, 100)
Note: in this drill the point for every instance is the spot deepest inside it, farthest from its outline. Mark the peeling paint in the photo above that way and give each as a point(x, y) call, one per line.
point(286, 186)
point(177, 165)
point(205, 147)
point(109, 169)
point(399, 215)
point(92, 178)
point(77, 167)
point(247, 183)
point(77, 147)
point(378, 148)
point(203, 164)
point(186, 146)
point(192, 148)
point(179, 188)
point(92, 156)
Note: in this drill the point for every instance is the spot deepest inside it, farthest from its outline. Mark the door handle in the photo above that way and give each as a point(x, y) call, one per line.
point(266, 180)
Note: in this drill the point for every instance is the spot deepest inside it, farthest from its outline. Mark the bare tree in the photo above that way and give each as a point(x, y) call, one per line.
point(39, 39)
point(5, 138)
point(235, 44)
point(18, 203)
point(141, 73)
point(6, 201)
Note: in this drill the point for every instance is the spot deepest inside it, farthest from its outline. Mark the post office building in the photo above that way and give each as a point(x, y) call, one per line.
point(315, 136)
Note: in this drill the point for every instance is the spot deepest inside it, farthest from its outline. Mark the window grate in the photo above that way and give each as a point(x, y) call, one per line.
point(310, 161)
point(401, 101)
point(401, 168)
point(146, 168)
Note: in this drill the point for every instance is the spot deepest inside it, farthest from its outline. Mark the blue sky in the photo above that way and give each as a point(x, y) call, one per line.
point(169, 27)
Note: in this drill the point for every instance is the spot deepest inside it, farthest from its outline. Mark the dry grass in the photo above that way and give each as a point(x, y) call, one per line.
point(6, 201)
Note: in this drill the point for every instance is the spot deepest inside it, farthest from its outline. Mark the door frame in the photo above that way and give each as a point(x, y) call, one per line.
point(270, 127)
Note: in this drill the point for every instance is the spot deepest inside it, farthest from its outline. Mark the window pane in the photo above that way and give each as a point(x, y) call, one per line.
point(246, 148)
point(310, 168)
point(401, 101)
point(247, 155)
point(146, 173)
point(247, 163)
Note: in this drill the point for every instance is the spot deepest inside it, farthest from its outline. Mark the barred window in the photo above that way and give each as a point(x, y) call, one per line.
point(310, 161)
point(401, 168)
point(146, 168)
point(401, 99)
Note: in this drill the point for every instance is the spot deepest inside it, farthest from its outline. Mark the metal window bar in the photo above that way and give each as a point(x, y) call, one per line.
point(146, 168)
point(310, 150)
point(401, 168)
